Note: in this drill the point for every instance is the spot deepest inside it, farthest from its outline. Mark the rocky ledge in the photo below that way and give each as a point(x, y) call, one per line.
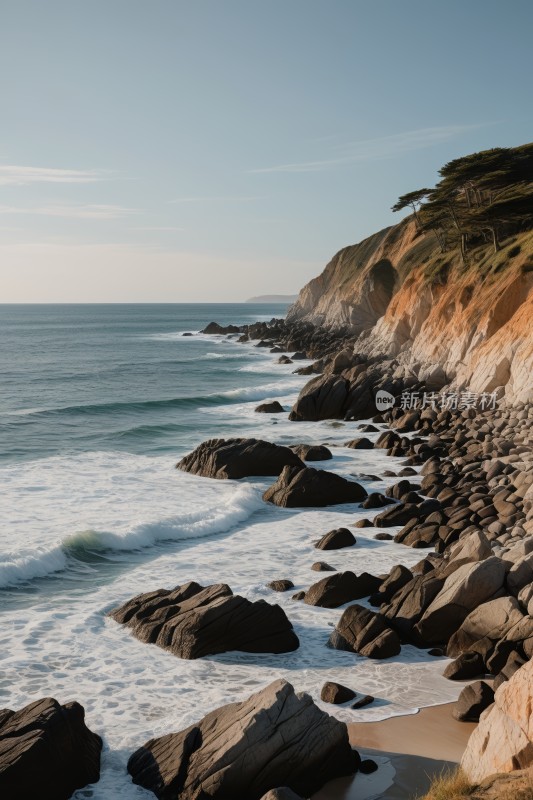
point(46, 751)
point(194, 621)
point(244, 750)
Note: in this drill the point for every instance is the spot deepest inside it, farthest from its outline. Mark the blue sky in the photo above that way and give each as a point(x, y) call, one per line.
point(215, 149)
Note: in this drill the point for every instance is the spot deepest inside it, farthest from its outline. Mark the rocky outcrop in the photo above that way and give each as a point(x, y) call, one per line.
point(194, 621)
point(46, 751)
point(274, 407)
point(308, 487)
point(503, 740)
point(243, 750)
point(238, 458)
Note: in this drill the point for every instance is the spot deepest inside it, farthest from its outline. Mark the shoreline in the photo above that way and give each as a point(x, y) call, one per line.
point(417, 747)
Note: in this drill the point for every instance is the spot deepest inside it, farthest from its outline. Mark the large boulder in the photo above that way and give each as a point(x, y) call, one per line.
point(243, 750)
point(194, 621)
point(214, 329)
point(362, 631)
point(303, 487)
point(238, 458)
point(274, 407)
point(322, 398)
point(465, 589)
point(472, 701)
point(341, 588)
point(486, 625)
point(503, 740)
point(46, 751)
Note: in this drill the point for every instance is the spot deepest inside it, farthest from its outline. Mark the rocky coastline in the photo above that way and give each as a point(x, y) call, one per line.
point(464, 496)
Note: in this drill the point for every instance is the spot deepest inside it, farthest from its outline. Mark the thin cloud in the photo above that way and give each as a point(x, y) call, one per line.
point(73, 212)
point(375, 149)
point(17, 175)
point(157, 228)
point(217, 199)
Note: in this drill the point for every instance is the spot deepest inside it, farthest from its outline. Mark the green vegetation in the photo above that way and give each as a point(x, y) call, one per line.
point(481, 198)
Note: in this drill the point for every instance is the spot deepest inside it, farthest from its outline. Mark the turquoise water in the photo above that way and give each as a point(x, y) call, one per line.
point(122, 377)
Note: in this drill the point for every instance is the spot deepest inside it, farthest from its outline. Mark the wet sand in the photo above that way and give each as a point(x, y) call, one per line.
point(415, 748)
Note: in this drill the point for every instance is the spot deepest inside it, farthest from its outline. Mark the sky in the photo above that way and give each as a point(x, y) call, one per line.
point(212, 150)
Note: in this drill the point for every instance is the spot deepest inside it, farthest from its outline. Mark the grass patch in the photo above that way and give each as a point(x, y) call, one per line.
point(455, 786)
point(450, 786)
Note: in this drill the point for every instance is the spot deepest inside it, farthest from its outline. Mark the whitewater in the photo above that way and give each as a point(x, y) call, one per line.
point(94, 511)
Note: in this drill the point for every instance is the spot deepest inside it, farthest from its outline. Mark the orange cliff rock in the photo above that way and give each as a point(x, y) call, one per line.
point(402, 297)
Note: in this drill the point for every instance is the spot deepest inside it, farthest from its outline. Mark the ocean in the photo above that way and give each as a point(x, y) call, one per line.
point(97, 404)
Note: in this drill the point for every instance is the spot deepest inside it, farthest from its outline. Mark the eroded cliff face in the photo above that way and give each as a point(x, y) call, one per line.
point(401, 297)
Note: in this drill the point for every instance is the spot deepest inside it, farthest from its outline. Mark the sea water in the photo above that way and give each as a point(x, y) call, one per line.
point(97, 404)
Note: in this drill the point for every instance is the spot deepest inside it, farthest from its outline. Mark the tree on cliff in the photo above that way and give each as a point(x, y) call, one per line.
point(479, 198)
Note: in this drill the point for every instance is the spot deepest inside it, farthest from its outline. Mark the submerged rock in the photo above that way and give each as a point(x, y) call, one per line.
point(312, 452)
point(243, 750)
point(194, 621)
point(274, 407)
point(46, 751)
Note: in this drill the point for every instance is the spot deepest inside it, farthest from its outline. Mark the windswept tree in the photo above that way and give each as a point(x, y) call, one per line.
point(412, 200)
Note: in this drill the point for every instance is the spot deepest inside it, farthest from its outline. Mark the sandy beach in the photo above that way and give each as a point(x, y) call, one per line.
point(409, 750)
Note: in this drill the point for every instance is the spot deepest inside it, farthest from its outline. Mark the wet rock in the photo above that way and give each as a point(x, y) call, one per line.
point(46, 751)
point(215, 329)
point(368, 765)
point(312, 452)
point(322, 566)
point(294, 744)
point(341, 588)
point(238, 458)
point(336, 693)
point(305, 487)
point(270, 408)
point(336, 539)
point(194, 621)
point(360, 444)
point(282, 585)
point(362, 631)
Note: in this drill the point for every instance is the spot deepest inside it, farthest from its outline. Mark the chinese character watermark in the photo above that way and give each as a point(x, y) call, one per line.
point(452, 401)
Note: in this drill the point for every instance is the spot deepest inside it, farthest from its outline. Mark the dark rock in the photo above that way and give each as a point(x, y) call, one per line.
point(294, 744)
point(341, 588)
point(306, 486)
point(362, 631)
point(270, 408)
point(322, 566)
point(299, 356)
point(312, 452)
point(282, 585)
point(192, 621)
point(336, 539)
point(214, 328)
point(336, 693)
point(472, 701)
point(363, 523)
point(281, 793)
point(376, 500)
point(436, 651)
point(322, 398)
point(360, 444)
point(466, 666)
point(238, 458)
point(284, 360)
point(299, 595)
point(368, 765)
point(46, 751)
point(384, 537)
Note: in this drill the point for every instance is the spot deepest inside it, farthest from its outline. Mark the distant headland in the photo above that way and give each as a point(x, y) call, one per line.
point(273, 298)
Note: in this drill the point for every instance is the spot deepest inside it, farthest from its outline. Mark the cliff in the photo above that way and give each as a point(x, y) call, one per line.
point(402, 297)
